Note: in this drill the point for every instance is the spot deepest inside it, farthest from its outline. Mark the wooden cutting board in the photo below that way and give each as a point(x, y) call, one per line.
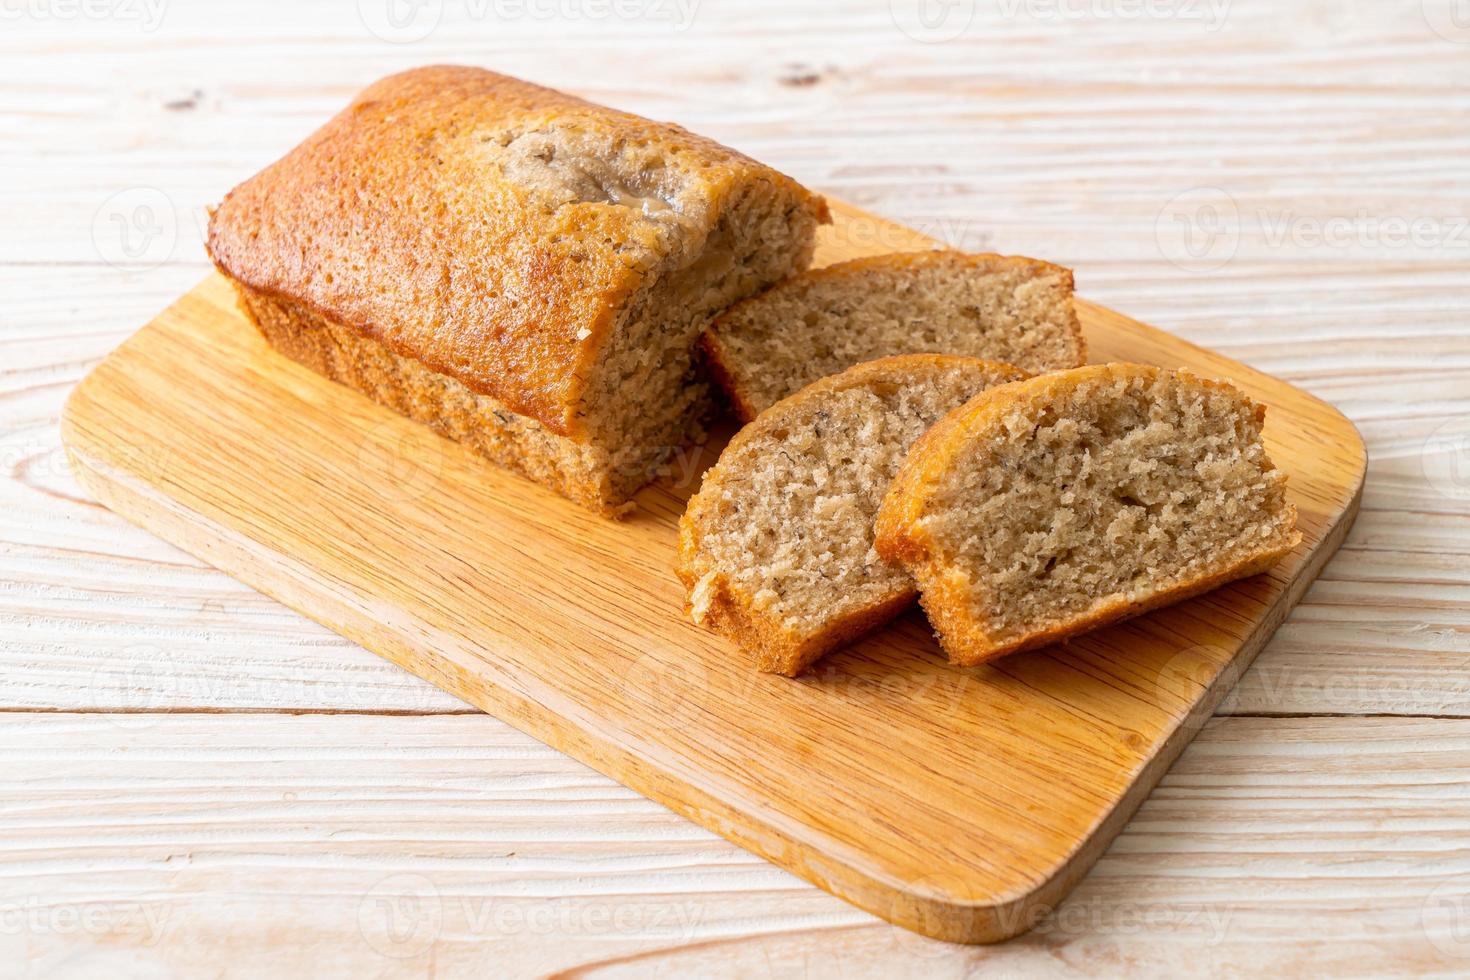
point(962, 804)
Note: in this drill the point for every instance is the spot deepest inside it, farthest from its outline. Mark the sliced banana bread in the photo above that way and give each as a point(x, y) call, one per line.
point(776, 549)
point(1053, 506)
point(1013, 310)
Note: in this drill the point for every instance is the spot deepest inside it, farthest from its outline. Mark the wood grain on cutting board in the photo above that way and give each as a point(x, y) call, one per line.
point(958, 803)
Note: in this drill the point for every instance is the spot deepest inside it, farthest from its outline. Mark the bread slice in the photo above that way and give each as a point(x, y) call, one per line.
point(523, 270)
point(776, 549)
point(1053, 506)
point(1014, 310)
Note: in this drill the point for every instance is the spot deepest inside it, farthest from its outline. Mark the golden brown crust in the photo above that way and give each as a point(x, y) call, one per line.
point(900, 534)
point(478, 421)
point(982, 261)
point(718, 362)
point(968, 646)
point(395, 220)
point(777, 651)
point(716, 604)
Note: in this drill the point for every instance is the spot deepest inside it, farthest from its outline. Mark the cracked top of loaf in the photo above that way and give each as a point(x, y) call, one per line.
point(492, 229)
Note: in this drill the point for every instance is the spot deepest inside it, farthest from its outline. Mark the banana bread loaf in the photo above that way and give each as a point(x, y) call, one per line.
point(523, 270)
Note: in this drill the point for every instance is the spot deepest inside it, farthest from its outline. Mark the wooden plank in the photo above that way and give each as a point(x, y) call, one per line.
point(992, 140)
point(1298, 847)
point(276, 476)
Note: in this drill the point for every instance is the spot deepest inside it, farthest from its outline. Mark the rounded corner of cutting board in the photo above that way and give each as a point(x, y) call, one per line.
point(944, 906)
point(71, 409)
point(73, 428)
point(1359, 445)
point(1350, 463)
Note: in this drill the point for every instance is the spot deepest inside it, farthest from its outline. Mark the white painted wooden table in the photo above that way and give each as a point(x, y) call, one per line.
point(198, 782)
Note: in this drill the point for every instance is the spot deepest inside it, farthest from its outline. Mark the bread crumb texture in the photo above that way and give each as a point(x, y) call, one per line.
point(777, 546)
point(1013, 310)
point(1077, 498)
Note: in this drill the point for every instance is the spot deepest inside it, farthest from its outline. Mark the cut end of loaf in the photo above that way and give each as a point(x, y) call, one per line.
point(1053, 506)
point(1012, 310)
point(646, 400)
